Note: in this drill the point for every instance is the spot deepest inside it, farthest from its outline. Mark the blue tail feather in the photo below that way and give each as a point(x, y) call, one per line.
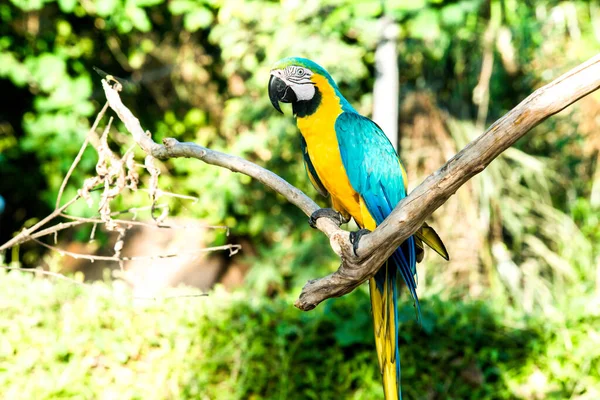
point(404, 257)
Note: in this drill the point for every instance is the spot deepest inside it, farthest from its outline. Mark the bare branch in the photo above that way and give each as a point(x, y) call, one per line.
point(44, 272)
point(82, 220)
point(179, 296)
point(411, 212)
point(76, 221)
point(80, 154)
point(24, 235)
point(53, 230)
point(233, 249)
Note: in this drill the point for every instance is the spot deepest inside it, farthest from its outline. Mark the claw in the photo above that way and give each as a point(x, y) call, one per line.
point(330, 213)
point(355, 238)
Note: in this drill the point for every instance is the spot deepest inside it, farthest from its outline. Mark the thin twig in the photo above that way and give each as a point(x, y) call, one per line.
point(55, 229)
point(135, 210)
point(178, 296)
point(231, 247)
point(80, 154)
point(44, 272)
point(77, 221)
point(147, 224)
point(23, 236)
point(159, 193)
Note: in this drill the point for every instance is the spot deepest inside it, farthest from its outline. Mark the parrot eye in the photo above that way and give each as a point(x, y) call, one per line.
point(300, 72)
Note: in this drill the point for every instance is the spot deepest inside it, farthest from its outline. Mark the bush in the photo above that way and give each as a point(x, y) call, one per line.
point(61, 340)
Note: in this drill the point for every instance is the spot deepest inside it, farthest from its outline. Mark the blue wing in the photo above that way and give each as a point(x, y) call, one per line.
point(375, 172)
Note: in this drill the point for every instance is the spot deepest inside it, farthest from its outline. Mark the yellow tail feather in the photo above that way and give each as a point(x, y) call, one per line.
point(384, 326)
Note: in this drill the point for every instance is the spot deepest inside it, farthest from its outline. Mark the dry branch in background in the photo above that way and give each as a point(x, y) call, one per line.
point(412, 211)
point(115, 175)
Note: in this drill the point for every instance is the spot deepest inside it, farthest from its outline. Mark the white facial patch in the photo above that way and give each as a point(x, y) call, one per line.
point(303, 92)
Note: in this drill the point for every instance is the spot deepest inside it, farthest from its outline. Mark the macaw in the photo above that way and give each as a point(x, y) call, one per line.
point(348, 156)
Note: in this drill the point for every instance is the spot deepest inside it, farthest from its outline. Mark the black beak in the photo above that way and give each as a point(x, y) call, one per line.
point(279, 91)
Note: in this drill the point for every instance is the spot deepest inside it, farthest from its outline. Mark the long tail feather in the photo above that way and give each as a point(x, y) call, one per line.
point(385, 325)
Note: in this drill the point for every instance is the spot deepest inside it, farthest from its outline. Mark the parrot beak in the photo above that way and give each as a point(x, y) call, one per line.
point(274, 88)
point(280, 91)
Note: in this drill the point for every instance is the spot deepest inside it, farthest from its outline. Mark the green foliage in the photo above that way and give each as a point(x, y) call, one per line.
point(198, 72)
point(61, 341)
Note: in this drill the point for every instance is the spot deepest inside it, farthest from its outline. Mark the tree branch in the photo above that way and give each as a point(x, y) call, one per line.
point(24, 235)
point(411, 212)
point(233, 249)
point(171, 148)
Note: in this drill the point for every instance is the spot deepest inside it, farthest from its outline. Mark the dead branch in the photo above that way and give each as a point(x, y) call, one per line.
point(153, 224)
point(233, 249)
point(92, 130)
point(114, 175)
point(43, 272)
point(25, 234)
point(411, 212)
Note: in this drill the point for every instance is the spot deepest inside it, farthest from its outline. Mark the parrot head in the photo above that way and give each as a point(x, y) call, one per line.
point(293, 81)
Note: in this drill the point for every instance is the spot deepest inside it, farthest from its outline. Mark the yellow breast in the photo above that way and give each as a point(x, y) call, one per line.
point(318, 130)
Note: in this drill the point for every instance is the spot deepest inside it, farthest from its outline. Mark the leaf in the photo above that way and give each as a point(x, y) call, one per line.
point(148, 3)
point(104, 8)
point(48, 70)
point(199, 18)
point(81, 88)
point(67, 6)
point(453, 15)
point(28, 5)
point(178, 7)
point(403, 5)
point(139, 19)
point(425, 25)
point(13, 69)
point(367, 9)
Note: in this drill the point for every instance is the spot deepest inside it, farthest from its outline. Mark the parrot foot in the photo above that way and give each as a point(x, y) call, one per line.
point(330, 213)
point(355, 238)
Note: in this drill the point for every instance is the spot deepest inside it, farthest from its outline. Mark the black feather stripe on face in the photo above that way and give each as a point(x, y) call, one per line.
point(305, 108)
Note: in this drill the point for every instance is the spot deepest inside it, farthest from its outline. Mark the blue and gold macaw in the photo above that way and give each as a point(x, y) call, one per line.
point(349, 157)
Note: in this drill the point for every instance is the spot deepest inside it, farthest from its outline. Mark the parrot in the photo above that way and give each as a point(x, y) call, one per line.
point(348, 157)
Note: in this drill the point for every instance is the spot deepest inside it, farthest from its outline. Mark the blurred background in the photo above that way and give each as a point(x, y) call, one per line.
point(514, 314)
